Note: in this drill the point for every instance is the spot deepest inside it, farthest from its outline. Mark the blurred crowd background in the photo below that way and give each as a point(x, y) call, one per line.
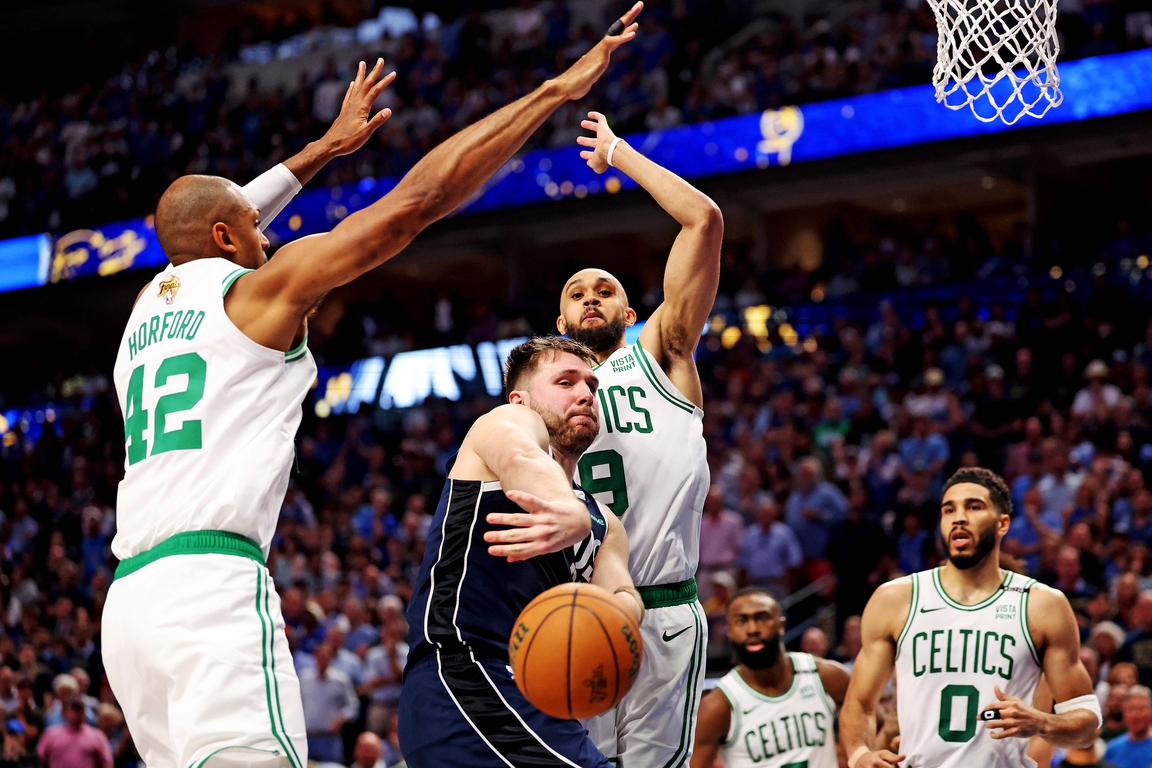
point(107, 149)
point(932, 345)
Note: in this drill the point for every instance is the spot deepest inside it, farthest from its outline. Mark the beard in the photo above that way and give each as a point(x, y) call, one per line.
point(566, 437)
point(984, 544)
point(761, 659)
point(601, 338)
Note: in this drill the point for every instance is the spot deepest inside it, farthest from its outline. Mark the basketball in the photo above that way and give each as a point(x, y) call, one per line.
point(575, 651)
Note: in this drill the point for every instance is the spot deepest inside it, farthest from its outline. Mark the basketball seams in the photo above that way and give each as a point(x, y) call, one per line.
point(612, 647)
point(568, 673)
point(613, 604)
point(535, 633)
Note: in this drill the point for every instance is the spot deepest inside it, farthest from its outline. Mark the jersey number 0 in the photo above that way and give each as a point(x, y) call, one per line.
point(188, 436)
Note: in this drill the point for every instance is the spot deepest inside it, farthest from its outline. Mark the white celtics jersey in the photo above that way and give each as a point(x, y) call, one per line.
point(649, 466)
point(949, 658)
point(210, 416)
point(792, 730)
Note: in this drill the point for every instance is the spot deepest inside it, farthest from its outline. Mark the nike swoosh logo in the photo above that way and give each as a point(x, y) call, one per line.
point(931, 610)
point(669, 638)
point(748, 710)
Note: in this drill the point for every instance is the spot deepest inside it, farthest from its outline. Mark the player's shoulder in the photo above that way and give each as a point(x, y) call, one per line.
point(894, 593)
point(510, 414)
point(1043, 598)
point(889, 606)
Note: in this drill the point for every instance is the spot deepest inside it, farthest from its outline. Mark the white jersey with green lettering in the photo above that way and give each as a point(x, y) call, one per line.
point(792, 730)
point(210, 416)
point(649, 466)
point(949, 659)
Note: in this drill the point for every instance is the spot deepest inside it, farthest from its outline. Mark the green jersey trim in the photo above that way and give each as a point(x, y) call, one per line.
point(960, 606)
point(796, 670)
point(1024, 621)
point(642, 357)
point(297, 352)
point(911, 612)
point(667, 595)
point(233, 277)
point(687, 728)
point(734, 726)
point(193, 543)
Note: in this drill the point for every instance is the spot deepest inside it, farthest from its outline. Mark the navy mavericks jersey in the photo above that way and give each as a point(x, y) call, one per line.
point(466, 599)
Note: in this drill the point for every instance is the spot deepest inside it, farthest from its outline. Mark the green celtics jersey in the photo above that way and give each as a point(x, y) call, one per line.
point(792, 730)
point(649, 466)
point(949, 659)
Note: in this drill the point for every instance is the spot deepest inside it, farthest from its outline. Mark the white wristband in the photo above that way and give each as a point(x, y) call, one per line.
point(860, 750)
point(1087, 701)
point(612, 148)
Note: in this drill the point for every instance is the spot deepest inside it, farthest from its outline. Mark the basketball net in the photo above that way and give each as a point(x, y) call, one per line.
point(997, 57)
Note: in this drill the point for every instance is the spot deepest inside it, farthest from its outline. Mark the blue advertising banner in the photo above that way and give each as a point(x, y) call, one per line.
point(1096, 87)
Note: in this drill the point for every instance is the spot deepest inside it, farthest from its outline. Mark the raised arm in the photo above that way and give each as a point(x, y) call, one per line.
point(693, 270)
point(275, 188)
point(880, 626)
point(269, 303)
point(610, 569)
point(510, 444)
point(1057, 636)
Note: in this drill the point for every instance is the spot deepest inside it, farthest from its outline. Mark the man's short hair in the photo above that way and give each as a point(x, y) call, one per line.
point(997, 488)
point(525, 359)
point(1141, 691)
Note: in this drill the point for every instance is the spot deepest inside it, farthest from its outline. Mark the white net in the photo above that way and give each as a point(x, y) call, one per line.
point(997, 57)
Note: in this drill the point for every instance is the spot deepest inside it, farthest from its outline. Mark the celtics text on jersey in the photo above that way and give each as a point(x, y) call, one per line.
point(210, 416)
point(792, 730)
point(949, 659)
point(649, 465)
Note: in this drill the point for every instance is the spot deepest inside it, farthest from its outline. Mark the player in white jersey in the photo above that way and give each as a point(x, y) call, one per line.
point(775, 709)
point(969, 642)
point(211, 374)
point(649, 464)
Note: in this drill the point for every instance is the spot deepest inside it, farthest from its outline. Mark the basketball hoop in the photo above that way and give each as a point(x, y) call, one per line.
point(997, 57)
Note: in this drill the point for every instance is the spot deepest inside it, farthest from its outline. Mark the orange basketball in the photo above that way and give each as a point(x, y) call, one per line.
point(575, 651)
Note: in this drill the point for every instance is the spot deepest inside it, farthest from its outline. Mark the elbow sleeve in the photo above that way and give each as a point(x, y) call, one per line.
point(271, 191)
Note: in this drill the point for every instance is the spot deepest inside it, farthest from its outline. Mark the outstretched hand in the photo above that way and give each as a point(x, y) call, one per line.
point(355, 124)
point(548, 526)
point(1016, 719)
point(597, 156)
point(578, 80)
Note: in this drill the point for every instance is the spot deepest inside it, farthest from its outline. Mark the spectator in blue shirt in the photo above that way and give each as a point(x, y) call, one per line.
point(1134, 749)
point(813, 507)
point(770, 552)
point(925, 451)
point(912, 546)
point(1027, 482)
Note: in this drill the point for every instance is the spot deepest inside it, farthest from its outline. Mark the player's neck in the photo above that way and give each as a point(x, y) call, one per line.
point(969, 586)
point(566, 462)
point(602, 356)
point(773, 680)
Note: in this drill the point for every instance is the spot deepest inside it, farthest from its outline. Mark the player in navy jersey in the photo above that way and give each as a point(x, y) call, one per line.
point(508, 527)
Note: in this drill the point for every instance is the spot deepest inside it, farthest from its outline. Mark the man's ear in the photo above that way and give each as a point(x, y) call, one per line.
point(516, 397)
point(561, 324)
point(222, 237)
point(629, 316)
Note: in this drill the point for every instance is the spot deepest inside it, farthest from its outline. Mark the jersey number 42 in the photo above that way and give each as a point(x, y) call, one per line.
point(188, 436)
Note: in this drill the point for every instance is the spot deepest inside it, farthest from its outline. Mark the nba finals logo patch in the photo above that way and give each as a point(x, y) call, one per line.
point(169, 286)
point(1007, 612)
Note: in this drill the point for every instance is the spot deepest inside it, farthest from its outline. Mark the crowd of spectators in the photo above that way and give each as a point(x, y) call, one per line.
point(107, 150)
point(827, 457)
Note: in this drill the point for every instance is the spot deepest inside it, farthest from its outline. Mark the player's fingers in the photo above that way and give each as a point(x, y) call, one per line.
point(510, 518)
point(586, 141)
point(588, 125)
point(525, 500)
point(379, 119)
point(375, 73)
point(586, 155)
point(597, 116)
point(509, 536)
point(890, 757)
point(999, 693)
point(1007, 733)
point(361, 69)
point(375, 91)
point(632, 13)
point(347, 93)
